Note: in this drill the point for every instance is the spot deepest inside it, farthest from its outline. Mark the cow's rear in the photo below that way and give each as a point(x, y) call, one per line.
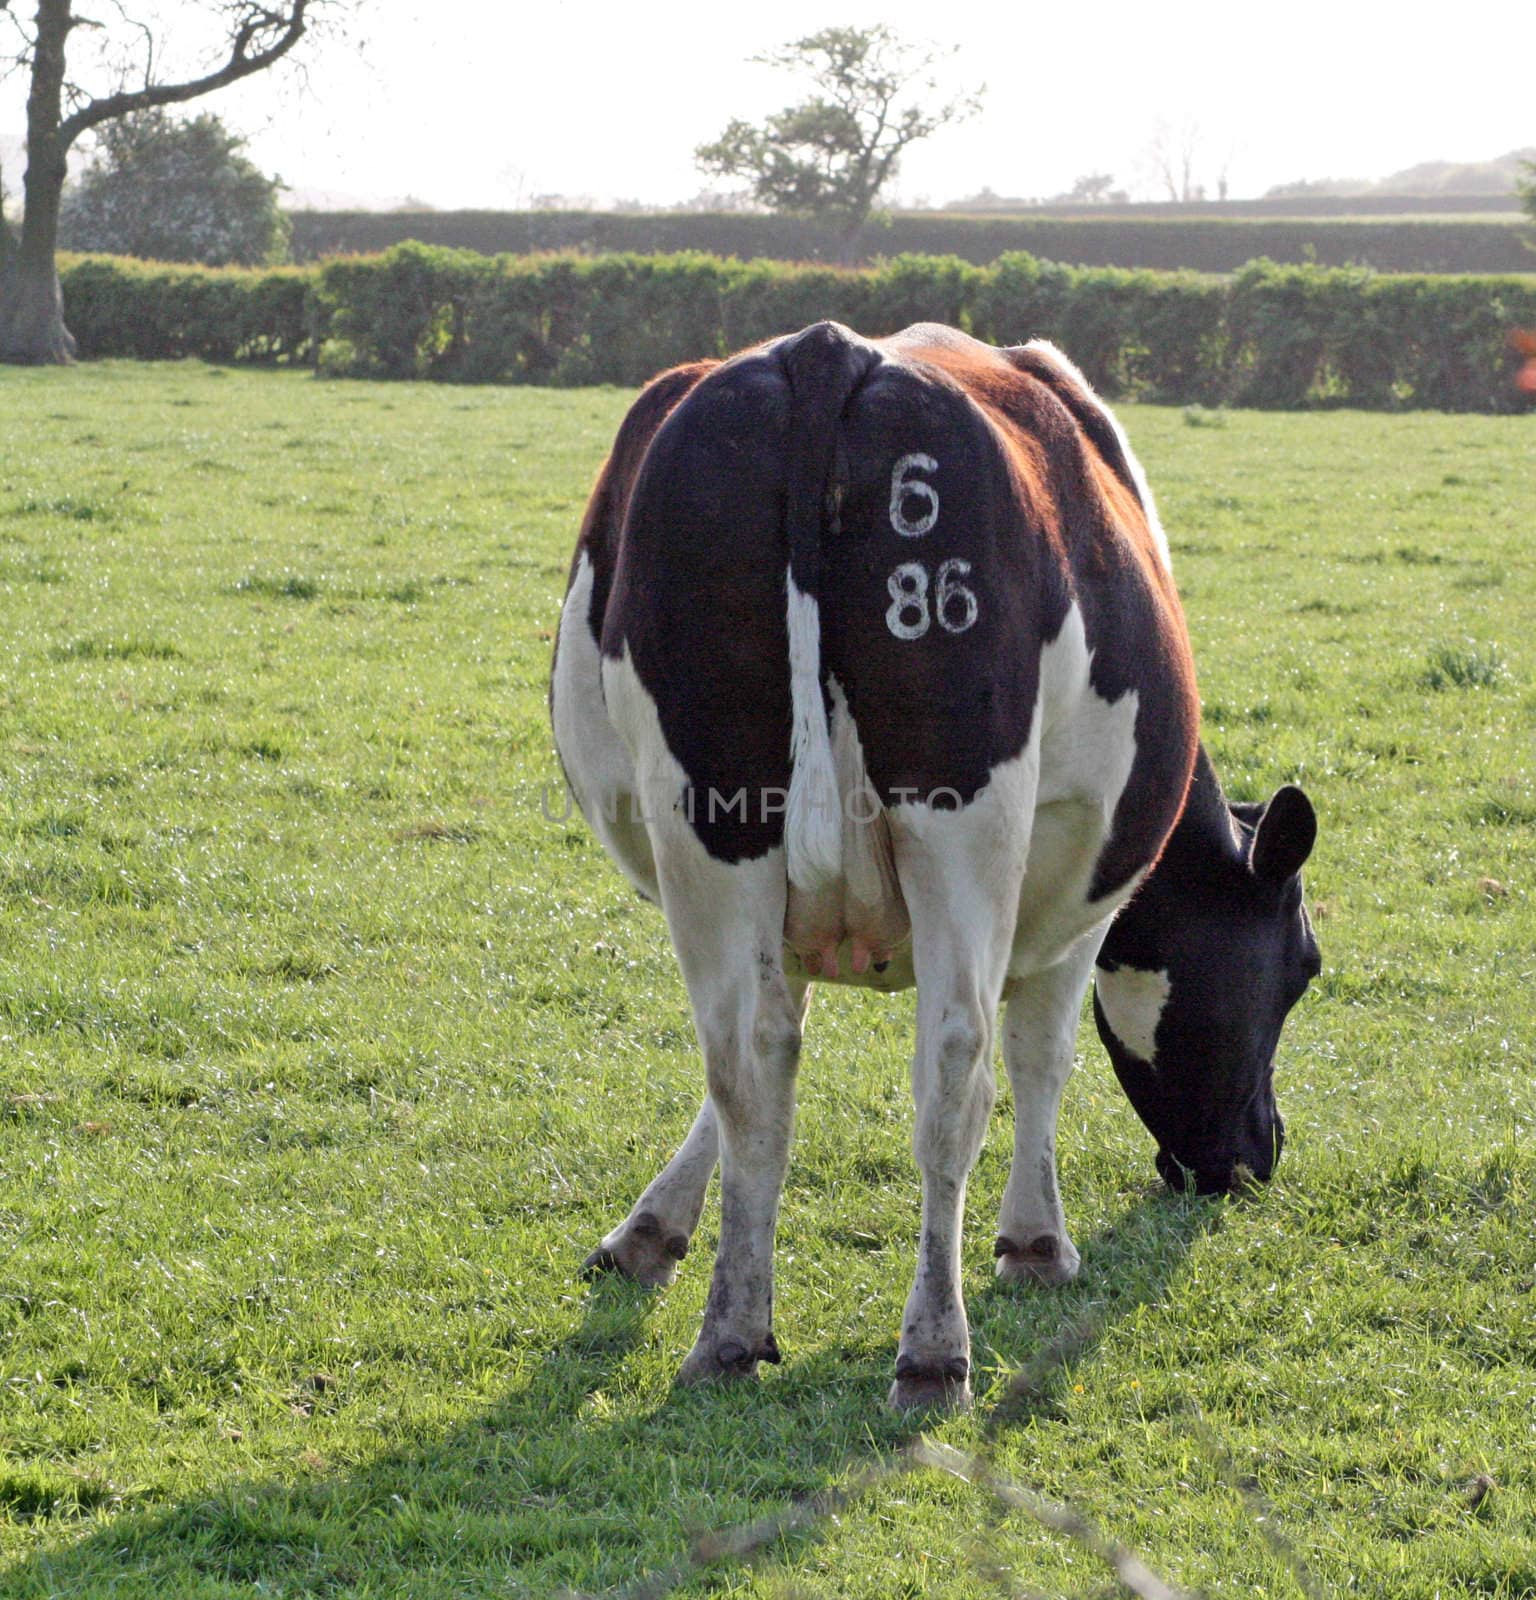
point(714, 607)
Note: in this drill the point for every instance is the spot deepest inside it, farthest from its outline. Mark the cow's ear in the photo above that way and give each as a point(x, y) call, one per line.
point(1285, 835)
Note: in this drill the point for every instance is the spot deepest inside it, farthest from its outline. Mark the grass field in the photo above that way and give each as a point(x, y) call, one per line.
point(325, 1057)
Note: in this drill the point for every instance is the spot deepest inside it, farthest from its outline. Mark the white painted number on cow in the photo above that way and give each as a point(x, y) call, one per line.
point(947, 590)
point(905, 487)
point(909, 615)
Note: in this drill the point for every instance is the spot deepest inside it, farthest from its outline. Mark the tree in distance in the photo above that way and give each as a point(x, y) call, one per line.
point(238, 38)
point(830, 156)
point(1093, 189)
point(175, 191)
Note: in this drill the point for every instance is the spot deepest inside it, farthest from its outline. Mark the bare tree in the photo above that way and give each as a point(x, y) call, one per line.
point(1171, 155)
point(249, 37)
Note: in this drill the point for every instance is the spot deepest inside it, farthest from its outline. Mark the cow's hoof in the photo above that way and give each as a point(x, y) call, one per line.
point(1046, 1259)
point(729, 1361)
point(641, 1249)
point(931, 1385)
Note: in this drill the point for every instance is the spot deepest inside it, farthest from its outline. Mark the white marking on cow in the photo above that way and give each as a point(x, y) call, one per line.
point(812, 828)
point(946, 589)
point(1132, 1001)
point(1045, 348)
point(1087, 749)
point(907, 615)
point(995, 889)
point(960, 873)
point(597, 766)
point(726, 920)
point(1039, 1036)
point(904, 485)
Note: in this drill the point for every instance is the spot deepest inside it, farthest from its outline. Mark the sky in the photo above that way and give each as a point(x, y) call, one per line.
point(465, 104)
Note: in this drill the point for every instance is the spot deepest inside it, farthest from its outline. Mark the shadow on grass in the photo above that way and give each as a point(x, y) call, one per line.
point(544, 1492)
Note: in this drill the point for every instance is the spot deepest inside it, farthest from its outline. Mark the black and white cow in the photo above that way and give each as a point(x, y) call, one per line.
point(871, 670)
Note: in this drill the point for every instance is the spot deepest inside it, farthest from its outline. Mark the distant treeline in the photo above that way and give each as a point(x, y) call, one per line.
point(1107, 239)
point(1269, 335)
point(1402, 203)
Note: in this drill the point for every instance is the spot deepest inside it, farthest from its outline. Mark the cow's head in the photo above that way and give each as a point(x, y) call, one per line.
point(1196, 978)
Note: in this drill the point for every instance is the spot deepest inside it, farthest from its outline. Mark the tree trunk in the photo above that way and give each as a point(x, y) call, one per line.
point(7, 265)
point(849, 239)
point(32, 327)
point(32, 330)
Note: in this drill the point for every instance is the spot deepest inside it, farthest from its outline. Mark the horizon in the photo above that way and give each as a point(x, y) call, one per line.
point(1373, 104)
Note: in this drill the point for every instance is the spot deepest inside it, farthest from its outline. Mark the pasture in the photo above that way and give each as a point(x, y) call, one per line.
point(326, 1055)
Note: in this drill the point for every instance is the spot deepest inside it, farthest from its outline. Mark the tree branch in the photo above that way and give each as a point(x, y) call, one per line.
point(255, 24)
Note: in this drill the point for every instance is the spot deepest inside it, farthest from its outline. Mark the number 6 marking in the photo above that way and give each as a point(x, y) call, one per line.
point(945, 590)
point(904, 486)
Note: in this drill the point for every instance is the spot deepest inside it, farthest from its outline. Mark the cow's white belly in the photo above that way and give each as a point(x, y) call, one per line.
point(596, 761)
point(1054, 801)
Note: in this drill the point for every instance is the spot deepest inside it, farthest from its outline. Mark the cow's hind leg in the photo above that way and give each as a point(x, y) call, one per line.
point(654, 1237)
point(960, 876)
point(727, 926)
point(1039, 1033)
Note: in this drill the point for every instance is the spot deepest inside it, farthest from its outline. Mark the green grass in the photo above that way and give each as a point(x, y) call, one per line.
point(324, 1057)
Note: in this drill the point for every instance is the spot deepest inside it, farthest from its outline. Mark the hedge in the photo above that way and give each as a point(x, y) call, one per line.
point(1126, 239)
point(1270, 335)
point(155, 311)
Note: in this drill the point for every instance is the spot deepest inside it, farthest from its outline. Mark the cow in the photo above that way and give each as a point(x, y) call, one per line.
point(871, 670)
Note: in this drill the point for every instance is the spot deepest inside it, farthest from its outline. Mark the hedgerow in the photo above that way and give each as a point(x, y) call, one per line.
point(1269, 335)
point(157, 311)
point(1427, 243)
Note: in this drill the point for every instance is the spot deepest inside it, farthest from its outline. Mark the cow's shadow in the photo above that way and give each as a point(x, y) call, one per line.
point(524, 1493)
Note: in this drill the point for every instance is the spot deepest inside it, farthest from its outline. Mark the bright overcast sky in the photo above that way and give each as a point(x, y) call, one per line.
point(480, 104)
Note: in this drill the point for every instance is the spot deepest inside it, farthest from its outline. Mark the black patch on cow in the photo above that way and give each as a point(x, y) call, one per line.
point(699, 600)
point(602, 526)
point(603, 522)
point(824, 367)
point(938, 712)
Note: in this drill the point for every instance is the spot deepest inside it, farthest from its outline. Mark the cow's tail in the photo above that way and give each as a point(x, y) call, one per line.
point(824, 366)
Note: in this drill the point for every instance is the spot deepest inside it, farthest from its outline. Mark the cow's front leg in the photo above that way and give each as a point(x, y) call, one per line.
point(1039, 1035)
point(654, 1237)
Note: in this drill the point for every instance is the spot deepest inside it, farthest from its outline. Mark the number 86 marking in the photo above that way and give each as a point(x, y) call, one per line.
point(909, 615)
